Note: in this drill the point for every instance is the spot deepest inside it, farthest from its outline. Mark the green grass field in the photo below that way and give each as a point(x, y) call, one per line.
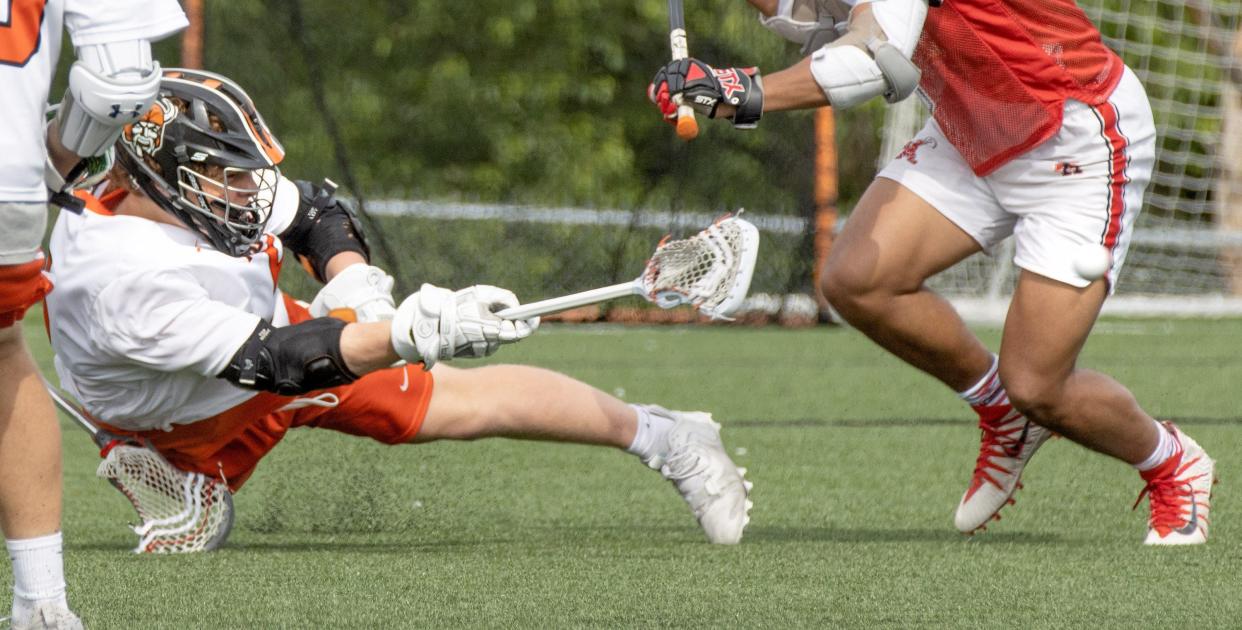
point(858, 463)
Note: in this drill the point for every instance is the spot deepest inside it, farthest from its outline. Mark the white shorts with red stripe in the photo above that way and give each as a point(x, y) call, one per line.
point(1084, 185)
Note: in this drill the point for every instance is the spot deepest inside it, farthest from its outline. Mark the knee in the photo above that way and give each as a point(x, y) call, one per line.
point(853, 290)
point(1038, 397)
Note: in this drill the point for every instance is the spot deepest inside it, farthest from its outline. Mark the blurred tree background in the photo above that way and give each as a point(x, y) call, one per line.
point(525, 102)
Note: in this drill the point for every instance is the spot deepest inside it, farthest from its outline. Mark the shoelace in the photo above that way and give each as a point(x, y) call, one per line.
point(685, 465)
point(996, 442)
point(1170, 498)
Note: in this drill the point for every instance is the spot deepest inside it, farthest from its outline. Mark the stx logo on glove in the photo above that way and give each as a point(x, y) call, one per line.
point(729, 83)
point(704, 87)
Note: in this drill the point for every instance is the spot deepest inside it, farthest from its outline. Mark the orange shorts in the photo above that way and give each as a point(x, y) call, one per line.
point(386, 405)
point(21, 286)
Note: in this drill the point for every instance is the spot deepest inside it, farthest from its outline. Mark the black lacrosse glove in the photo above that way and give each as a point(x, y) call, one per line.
point(704, 88)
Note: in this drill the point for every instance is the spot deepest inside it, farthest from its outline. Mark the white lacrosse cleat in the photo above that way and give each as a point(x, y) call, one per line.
point(1008, 442)
point(48, 616)
point(697, 464)
point(1179, 492)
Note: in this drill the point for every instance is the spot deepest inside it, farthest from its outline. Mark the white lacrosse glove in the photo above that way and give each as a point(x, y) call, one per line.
point(436, 324)
point(359, 293)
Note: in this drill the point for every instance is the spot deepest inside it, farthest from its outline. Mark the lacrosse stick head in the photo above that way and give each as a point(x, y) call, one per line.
point(180, 512)
point(710, 270)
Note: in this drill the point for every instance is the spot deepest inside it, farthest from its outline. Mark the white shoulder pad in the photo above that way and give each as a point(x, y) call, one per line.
point(110, 86)
point(902, 22)
point(799, 20)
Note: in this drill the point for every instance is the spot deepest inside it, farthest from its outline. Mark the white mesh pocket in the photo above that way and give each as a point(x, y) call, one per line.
point(180, 512)
point(710, 270)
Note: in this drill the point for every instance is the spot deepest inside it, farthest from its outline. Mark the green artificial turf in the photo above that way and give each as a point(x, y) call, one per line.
point(858, 463)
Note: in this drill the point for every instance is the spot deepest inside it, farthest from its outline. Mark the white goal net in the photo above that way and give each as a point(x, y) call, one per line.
point(1186, 256)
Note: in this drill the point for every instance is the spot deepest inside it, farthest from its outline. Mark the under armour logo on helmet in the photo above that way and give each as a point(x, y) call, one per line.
point(116, 111)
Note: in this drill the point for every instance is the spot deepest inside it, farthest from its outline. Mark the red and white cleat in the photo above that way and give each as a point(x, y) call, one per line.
point(1008, 442)
point(1179, 493)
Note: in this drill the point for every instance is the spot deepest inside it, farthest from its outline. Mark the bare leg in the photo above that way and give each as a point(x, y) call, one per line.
point(1046, 328)
point(526, 403)
point(874, 277)
point(30, 465)
point(30, 487)
point(535, 404)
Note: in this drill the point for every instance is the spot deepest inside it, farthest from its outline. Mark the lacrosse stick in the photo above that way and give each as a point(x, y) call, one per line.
point(710, 270)
point(181, 512)
point(687, 126)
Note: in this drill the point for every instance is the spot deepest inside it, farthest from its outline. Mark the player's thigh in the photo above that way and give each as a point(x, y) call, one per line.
point(459, 403)
point(1083, 188)
point(22, 282)
point(924, 212)
point(893, 241)
point(388, 405)
point(1047, 325)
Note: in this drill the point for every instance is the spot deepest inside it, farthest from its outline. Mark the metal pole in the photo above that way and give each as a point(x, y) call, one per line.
point(192, 39)
point(825, 194)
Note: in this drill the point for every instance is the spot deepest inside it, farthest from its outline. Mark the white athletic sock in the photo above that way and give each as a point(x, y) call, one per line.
point(38, 573)
point(1166, 447)
point(988, 391)
point(651, 439)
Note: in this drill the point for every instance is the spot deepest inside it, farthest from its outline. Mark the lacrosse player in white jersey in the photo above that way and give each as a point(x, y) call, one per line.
point(1038, 131)
point(168, 325)
point(112, 82)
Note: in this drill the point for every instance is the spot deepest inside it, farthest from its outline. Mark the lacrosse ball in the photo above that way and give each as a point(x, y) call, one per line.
point(1092, 261)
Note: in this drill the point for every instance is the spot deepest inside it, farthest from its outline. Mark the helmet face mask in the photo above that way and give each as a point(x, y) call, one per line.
point(236, 206)
point(204, 155)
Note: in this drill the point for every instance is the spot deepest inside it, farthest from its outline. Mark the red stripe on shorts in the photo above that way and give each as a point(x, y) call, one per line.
point(1118, 161)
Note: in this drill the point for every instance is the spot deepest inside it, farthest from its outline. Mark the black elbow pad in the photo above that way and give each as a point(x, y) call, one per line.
point(323, 227)
point(291, 360)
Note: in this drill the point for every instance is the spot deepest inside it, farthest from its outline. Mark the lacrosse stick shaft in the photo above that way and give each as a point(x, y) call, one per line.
point(687, 127)
point(558, 304)
point(72, 411)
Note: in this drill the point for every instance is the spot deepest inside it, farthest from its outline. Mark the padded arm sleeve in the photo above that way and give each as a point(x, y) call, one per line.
point(322, 227)
point(291, 360)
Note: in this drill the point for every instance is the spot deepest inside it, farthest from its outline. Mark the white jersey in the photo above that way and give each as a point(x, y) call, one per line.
point(30, 36)
point(145, 314)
